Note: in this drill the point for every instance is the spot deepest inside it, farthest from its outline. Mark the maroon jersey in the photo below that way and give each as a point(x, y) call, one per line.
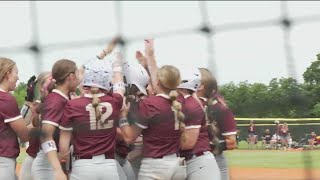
point(252, 128)
point(223, 116)
point(52, 111)
point(161, 134)
point(9, 112)
point(195, 118)
point(91, 137)
point(278, 129)
point(34, 144)
point(267, 136)
point(284, 131)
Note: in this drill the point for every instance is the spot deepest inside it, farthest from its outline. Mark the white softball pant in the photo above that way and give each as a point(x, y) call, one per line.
point(25, 172)
point(126, 167)
point(169, 167)
point(135, 157)
point(97, 168)
point(203, 168)
point(135, 164)
point(223, 166)
point(7, 168)
point(41, 168)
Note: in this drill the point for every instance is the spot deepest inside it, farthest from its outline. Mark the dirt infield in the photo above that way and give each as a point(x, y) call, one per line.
point(264, 174)
point(273, 174)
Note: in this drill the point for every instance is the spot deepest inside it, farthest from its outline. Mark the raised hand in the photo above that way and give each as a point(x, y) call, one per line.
point(141, 59)
point(149, 47)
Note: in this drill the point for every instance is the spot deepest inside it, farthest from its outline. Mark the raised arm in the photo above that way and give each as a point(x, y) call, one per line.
point(118, 85)
point(109, 48)
point(151, 61)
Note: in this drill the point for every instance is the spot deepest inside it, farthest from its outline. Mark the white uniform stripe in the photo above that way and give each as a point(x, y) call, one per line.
point(228, 133)
point(50, 122)
point(193, 127)
point(141, 126)
point(65, 129)
point(12, 119)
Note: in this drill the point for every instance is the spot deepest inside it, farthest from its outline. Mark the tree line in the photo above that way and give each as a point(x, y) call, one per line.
point(281, 98)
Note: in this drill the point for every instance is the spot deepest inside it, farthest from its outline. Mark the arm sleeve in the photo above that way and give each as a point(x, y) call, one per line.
point(11, 110)
point(229, 125)
point(52, 112)
point(118, 100)
point(146, 111)
point(66, 121)
point(194, 120)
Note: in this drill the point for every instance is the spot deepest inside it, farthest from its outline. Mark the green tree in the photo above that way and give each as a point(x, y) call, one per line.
point(20, 93)
point(312, 74)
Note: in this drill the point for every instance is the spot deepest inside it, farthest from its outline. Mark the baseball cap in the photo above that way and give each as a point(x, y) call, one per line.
point(190, 79)
point(136, 74)
point(98, 73)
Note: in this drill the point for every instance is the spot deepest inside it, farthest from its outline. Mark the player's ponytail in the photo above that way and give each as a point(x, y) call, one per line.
point(178, 109)
point(95, 103)
point(169, 77)
point(210, 86)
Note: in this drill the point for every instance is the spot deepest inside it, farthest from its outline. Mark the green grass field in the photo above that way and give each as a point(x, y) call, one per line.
point(272, 158)
point(262, 158)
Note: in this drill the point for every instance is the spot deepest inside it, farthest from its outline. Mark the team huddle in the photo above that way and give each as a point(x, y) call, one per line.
point(127, 121)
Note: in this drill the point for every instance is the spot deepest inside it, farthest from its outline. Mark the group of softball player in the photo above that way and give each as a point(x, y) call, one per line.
point(128, 121)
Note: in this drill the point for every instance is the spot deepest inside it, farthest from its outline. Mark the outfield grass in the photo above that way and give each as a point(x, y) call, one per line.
point(272, 158)
point(261, 158)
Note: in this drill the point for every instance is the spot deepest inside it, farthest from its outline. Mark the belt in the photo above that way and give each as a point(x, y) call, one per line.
point(160, 157)
point(107, 156)
point(193, 155)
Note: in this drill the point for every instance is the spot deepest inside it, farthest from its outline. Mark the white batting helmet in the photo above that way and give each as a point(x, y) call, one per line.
point(190, 79)
point(136, 74)
point(98, 73)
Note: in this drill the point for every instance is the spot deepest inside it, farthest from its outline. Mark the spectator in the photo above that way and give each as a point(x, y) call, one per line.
point(252, 128)
point(266, 138)
point(289, 140)
point(238, 137)
point(252, 138)
point(313, 140)
point(284, 135)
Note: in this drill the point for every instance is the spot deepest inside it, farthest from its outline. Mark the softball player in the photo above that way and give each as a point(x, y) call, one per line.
point(46, 165)
point(201, 163)
point(159, 120)
point(12, 125)
point(137, 79)
point(220, 116)
point(43, 81)
point(91, 121)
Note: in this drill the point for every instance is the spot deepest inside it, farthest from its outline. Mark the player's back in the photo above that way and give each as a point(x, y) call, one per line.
point(161, 134)
point(92, 136)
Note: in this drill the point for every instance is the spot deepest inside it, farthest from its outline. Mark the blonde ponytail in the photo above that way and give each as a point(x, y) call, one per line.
point(178, 107)
point(213, 130)
point(95, 103)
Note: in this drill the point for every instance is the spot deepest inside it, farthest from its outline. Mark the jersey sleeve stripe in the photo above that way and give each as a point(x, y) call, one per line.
point(13, 119)
point(229, 133)
point(193, 127)
point(141, 126)
point(50, 122)
point(65, 129)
